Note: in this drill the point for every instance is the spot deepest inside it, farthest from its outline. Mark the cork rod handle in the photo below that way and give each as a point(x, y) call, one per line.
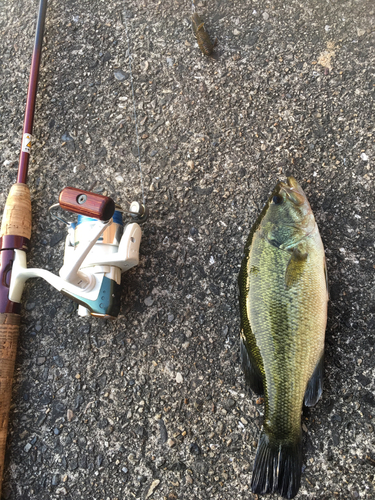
point(9, 329)
point(17, 212)
point(16, 222)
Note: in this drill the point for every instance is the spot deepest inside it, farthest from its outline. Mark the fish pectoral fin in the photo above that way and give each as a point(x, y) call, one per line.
point(314, 387)
point(250, 369)
point(296, 266)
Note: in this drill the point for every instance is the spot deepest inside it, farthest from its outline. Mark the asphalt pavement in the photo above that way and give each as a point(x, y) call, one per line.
point(153, 405)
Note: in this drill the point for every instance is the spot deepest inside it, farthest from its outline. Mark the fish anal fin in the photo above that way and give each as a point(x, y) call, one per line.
point(250, 369)
point(314, 387)
point(296, 266)
point(277, 466)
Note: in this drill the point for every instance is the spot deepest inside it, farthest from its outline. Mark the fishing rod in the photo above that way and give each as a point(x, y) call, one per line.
point(15, 235)
point(98, 249)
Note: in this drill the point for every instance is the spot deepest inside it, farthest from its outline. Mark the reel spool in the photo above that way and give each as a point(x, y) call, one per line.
point(98, 249)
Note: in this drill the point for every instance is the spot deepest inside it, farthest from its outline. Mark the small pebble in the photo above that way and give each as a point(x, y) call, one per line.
point(159, 462)
point(229, 403)
point(220, 428)
point(171, 443)
point(189, 479)
point(149, 301)
point(55, 479)
point(154, 485)
point(163, 431)
point(66, 137)
point(120, 75)
point(194, 449)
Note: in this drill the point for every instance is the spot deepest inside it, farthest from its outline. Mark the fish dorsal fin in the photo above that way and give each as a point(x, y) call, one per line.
point(296, 265)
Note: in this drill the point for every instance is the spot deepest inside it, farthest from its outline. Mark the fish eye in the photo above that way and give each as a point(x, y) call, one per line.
point(277, 199)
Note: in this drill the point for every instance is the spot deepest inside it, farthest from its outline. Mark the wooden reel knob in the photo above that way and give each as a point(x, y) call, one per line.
point(85, 203)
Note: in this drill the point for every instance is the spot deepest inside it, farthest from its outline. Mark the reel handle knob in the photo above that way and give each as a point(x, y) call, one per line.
point(85, 203)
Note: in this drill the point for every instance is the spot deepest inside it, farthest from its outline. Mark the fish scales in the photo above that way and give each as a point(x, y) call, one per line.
point(283, 303)
point(281, 319)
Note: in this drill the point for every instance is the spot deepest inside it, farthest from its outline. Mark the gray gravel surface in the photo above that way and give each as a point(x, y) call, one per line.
point(153, 405)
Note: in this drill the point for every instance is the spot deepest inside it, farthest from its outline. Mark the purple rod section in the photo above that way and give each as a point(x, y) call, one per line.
point(31, 93)
point(8, 243)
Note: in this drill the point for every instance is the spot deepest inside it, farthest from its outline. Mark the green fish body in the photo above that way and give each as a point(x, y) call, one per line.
point(283, 304)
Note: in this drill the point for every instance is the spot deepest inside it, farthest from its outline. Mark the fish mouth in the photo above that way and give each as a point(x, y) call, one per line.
point(293, 191)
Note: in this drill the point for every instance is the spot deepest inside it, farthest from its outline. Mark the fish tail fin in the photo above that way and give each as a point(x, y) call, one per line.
point(277, 466)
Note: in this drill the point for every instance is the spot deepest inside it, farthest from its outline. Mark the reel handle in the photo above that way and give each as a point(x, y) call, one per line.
point(85, 203)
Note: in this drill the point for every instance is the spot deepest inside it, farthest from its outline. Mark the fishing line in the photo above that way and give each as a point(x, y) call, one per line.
point(134, 107)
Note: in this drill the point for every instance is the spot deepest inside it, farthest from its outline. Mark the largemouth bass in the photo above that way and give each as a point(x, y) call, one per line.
point(283, 303)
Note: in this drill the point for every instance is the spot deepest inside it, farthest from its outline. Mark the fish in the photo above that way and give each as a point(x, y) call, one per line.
point(203, 39)
point(283, 295)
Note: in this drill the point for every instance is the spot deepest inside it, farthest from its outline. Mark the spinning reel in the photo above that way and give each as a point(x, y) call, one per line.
point(98, 249)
